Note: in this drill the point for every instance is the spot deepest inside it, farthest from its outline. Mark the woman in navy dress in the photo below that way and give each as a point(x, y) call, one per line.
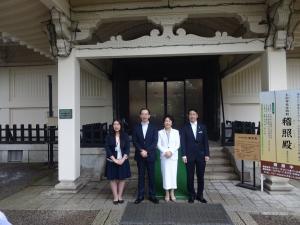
point(117, 148)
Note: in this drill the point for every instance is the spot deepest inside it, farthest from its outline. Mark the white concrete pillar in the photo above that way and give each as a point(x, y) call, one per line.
point(274, 78)
point(274, 73)
point(69, 128)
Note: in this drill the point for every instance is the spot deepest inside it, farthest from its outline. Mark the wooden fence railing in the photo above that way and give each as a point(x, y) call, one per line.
point(231, 127)
point(92, 135)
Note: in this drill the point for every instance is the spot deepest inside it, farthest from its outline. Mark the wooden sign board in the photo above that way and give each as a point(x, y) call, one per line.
point(247, 147)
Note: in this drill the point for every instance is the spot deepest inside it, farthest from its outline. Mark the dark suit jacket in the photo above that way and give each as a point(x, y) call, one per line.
point(149, 143)
point(194, 148)
point(110, 144)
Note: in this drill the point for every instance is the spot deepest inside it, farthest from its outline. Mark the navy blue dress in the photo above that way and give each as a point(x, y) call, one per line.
point(112, 170)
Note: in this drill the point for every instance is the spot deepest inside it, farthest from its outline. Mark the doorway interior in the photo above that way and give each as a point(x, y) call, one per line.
point(168, 85)
point(165, 98)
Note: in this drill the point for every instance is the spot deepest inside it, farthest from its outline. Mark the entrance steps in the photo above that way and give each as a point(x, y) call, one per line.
point(217, 168)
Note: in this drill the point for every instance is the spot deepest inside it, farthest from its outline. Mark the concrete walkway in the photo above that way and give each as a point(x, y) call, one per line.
point(15, 176)
point(94, 203)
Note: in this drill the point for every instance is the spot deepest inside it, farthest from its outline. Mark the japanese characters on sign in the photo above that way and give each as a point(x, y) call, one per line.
point(280, 169)
point(246, 147)
point(280, 133)
point(267, 126)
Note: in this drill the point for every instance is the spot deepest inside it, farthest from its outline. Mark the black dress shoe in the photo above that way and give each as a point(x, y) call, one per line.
point(138, 200)
point(115, 202)
point(191, 200)
point(154, 200)
point(202, 200)
point(121, 201)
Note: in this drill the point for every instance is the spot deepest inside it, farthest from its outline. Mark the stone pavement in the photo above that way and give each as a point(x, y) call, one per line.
point(238, 202)
point(15, 176)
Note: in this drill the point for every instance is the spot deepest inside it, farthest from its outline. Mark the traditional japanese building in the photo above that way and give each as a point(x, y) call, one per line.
point(109, 58)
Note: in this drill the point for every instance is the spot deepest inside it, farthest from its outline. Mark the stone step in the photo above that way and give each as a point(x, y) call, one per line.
point(214, 144)
point(220, 176)
point(218, 154)
point(218, 161)
point(213, 154)
point(207, 175)
point(214, 161)
point(211, 150)
point(209, 168)
point(219, 168)
point(215, 148)
point(210, 147)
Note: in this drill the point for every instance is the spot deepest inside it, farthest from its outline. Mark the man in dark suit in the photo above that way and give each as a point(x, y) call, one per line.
point(195, 154)
point(145, 137)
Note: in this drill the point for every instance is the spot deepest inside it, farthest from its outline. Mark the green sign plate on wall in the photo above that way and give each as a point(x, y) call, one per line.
point(65, 114)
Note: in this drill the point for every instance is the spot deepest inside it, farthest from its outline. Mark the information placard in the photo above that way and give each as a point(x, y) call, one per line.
point(65, 113)
point(246, 147)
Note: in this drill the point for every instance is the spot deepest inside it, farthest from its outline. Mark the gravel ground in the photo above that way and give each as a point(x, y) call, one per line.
point(275, 220)
point(16, 176)
point(51, 217)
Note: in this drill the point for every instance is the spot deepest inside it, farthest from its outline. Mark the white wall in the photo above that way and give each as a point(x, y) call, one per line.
point(96, 95)
point(293, 70)
point(24, 100)
point(4, 95)
point(24, 94)
point(241, 90)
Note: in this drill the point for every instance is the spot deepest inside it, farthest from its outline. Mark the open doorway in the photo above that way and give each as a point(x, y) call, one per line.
point(168, 85)
point(165, 97)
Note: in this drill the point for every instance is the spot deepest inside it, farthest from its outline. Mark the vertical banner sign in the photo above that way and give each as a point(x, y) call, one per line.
point(267, 126)
point(280, 133)
point(286, 124)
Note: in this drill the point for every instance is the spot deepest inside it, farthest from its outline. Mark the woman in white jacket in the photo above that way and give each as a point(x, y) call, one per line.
point(168, 145)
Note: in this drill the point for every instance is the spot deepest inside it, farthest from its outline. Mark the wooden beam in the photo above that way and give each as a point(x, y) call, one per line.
point(91, 51)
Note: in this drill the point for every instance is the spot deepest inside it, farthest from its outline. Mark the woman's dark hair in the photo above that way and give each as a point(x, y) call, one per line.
point(113, 133)
point(169, 117)
point(112, 126)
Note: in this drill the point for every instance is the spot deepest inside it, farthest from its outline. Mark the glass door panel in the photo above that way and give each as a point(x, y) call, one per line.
point(194, 95)
point(175, 102)
point(137, 100)
point(155, 102)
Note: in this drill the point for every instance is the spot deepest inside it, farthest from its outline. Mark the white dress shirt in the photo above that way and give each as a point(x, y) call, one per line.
point(194, 128)
point(145, 128)
point(118, 148)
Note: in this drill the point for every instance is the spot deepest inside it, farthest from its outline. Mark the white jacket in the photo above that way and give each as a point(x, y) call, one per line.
point(3, 219)
point(173, 145)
